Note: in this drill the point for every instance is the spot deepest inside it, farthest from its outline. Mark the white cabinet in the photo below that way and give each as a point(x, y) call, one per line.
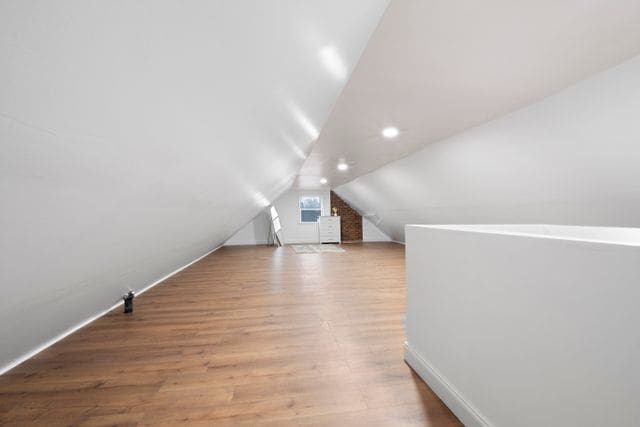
point(329, 227)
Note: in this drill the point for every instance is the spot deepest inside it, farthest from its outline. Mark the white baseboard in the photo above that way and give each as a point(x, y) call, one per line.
point(445, 391)
point(247, 243)
point(398, 242)
point(71, 330)
point(54, 340)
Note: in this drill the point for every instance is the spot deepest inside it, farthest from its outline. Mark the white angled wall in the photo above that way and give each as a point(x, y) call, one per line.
point(256, 232)
point(573, 158)
point(371, 233)
point(136, 136)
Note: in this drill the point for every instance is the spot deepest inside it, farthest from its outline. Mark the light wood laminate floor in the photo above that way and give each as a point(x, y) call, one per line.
point(246, 336)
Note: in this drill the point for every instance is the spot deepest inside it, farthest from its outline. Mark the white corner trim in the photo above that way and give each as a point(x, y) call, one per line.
point(445, 391)
point(84, 323)
point(398, 242)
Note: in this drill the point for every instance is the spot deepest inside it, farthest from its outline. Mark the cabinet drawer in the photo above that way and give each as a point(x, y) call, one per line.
point(329, 220)
point(329, 234)
point(329, 238)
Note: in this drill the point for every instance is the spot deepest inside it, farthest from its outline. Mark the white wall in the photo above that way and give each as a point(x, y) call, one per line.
point(137, 136)
point(572, 158)
point(534, 330)
point(371, 233)
point(256, 232)
point(293, 231)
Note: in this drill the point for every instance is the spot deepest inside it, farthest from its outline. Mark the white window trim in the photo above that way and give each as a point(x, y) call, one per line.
point(300, 196)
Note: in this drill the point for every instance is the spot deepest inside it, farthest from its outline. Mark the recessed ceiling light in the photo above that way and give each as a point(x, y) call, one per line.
point(343, 166)
point(390, 132)
point(323, 180)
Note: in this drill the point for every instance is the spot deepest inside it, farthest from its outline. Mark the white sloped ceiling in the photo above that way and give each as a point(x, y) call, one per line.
point(139, 135)
point(434, 68)
point(456, 77)
point(569, 159)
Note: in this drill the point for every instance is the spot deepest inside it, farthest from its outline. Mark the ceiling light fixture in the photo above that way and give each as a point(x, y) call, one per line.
point(390, 132)
point(323, 181)
point(342, 166)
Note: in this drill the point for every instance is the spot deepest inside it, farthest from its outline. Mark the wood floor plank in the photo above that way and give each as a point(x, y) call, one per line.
point(246, 336)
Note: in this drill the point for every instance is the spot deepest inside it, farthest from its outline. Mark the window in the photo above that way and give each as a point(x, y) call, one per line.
point(310, 208)
point(275, 219)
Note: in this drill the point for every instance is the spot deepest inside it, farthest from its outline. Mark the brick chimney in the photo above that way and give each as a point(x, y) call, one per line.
point(350, 220)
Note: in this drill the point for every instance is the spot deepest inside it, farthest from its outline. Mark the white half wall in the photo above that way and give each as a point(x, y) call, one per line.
point(527, 326)
point(572, 158)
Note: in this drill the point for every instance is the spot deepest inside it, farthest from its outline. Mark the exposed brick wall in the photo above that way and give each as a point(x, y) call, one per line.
point(350, 220)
